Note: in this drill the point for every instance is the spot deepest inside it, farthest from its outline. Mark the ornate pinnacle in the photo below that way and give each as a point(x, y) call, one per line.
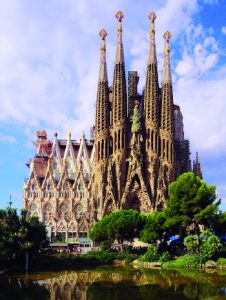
point(152, 52)
point(167, 35)
point(166, 70)
point(69, 135)
point(119, 48)
point(119, 15)
point(152, 16)
point(103, 34)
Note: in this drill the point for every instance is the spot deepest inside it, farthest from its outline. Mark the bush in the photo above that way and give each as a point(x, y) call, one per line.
point(165, 256)
point(108, 256)
point(151, 255)
point(188, 260)
point(221, 261)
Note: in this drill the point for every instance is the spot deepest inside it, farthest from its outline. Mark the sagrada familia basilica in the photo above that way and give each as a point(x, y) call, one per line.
point(137, 149)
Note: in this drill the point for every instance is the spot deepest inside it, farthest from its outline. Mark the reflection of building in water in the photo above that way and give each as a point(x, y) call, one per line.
point(75, 285)
point(137, 150)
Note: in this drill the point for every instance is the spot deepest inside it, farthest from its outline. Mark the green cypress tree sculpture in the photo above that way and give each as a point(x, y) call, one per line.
point(136, 126)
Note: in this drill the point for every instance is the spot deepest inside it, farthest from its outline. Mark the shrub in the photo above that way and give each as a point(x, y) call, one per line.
point(221, 261)
point(188, 260)
point(151, 255)
point(165, 256)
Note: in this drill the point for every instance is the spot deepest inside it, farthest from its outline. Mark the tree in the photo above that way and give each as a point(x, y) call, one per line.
point(203, 246)
point(220, 224)
point(154, 228)
point(191, 203)
point(9, 227)
point(19, 234)
point(32, 233)
point(122, 225)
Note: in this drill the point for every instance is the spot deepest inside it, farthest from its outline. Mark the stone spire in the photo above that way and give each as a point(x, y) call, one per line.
point(197, 166)
point(166, 134)
point(151, 94)
point(103, 65)
point(151, 97)
point(119, 81)
point(166, 69)
point(152, 49)
point(102, 104)
point(119, 113)
point(167, 116)
point(119, 48)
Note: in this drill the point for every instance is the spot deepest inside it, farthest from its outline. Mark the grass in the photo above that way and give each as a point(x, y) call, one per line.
point(185, 261)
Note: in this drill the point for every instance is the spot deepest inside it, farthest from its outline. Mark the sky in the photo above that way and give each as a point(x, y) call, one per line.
point(49, 63)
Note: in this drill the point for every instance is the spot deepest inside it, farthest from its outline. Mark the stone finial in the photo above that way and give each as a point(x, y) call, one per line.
point(119, 48)
point(167, 35)
point(103, 34)
point(119, 15)
point(166, 69)
point(152, 16)
point(152, 50)
point(83, 135)
point(69, 135)
point(55, 134)
point(197, 158)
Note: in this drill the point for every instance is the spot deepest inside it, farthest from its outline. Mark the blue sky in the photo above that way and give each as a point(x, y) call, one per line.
point(49, 58)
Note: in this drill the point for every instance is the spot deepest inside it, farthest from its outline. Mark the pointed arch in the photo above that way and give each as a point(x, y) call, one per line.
point(57, 162)
point(69, 158)
point(83, 156)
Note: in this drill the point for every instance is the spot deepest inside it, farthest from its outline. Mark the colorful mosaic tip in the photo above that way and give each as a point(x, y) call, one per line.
point(119, 15)
point(103, 34)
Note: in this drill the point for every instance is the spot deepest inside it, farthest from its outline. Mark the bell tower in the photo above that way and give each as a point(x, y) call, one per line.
point(102, 123)
point(119, 115)
point(151, 112)
point(166, 140)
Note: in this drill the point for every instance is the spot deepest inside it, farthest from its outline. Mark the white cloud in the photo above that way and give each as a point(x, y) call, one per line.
point(7, 138)
point(49, 57)
point(223, 29)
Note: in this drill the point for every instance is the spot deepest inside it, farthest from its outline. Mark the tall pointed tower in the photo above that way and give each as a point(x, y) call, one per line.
point(151, 112)
point(166, 140)
point(119, 108)
point(197, 170)
point(101, 128)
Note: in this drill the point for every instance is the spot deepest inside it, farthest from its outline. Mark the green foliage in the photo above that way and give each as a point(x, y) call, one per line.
point(191, 201)
point(153, 255)
point(108, 256)
point(191, 242)
point(220, 224)
point(209, 245)
point(188, 260)
point(19, 234)
point(221, 261)
point(204, 246)
point(165, 256)
point(154, 228)
point(122, 225)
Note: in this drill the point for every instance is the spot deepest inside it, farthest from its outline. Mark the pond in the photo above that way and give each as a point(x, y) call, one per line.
point(108, 283)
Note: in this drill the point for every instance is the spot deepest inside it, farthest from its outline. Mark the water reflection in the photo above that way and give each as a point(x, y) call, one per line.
point(115, 283)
